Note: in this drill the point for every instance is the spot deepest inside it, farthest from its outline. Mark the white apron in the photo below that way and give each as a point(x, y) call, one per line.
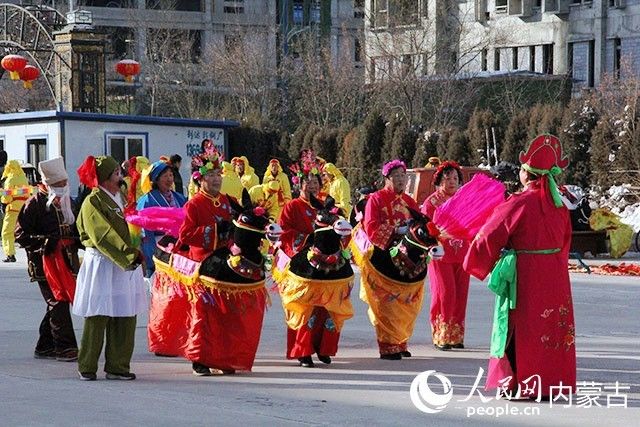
point(104, 289)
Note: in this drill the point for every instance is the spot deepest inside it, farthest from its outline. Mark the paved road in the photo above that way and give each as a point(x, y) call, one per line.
point(358, 388)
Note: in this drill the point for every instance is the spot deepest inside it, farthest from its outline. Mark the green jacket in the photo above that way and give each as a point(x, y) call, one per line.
point(102, 226)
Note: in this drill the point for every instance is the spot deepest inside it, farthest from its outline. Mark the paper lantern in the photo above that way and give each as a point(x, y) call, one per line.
point(14, 64)
point(28, 74)
point(128, 68)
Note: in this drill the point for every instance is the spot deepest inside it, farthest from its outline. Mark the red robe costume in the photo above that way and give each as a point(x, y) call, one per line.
point(296, 221)
point(449, 283)
point(541, 328)
point(186, 323)
point(318, 335)
point(393, 318)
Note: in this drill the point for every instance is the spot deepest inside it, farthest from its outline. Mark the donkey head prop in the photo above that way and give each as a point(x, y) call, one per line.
point(330, 236)
point(417, 247)
point(251, 225)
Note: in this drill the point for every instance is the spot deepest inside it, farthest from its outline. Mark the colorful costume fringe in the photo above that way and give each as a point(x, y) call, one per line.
point(315, 310)
point(204, 320)
point(393, 306)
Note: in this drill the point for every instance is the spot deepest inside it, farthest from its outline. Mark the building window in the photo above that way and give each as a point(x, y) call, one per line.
point(381, 14)
point(233, 6)
point(570, 59)
point(405, 12)
point(36, 150)
point(122, 42)
point(514, 58)
point(357, 50)
point(358, 9)
point(407, 65)
point(173, 46)
point(110, 3)
point(496, 59)
point(547, 59)
point(537, 3)
point(372, 70)
point(532, 58)
point(1, 145)
point(183, 5)
point(122, 147)
point(617, 56)
point(425, 64)
point(483, 60)
point(592, 57)
point(501, 6)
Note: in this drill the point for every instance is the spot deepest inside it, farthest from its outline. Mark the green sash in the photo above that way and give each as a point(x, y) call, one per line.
point(502, 282)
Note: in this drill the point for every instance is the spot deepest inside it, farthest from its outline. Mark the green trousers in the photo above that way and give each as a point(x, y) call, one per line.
point(120, 333)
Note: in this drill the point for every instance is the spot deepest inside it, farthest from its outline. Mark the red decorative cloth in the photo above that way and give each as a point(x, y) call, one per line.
point(58, 274)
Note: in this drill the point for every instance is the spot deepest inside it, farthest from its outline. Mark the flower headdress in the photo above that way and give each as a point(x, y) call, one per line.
point(389, 166)
point(308, 165)
point(207, 161)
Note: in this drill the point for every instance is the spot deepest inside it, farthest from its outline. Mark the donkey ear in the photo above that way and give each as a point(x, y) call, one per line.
point(317, 204)
point(329, 203)
point(246, 199)
point(237, 208)
point(417, 216)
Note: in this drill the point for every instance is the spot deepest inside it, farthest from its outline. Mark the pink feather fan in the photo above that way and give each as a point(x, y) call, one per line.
point(166, 220)
point(463, 215)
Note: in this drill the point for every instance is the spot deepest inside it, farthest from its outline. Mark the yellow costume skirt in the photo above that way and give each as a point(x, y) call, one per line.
point(393, 306)
point(300, 295)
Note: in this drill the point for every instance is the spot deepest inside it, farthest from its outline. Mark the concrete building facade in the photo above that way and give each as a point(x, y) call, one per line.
point(582, 38)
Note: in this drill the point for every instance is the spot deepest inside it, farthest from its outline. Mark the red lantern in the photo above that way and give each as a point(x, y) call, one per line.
point(28, 74)
point(128, 68)
point(14, 64)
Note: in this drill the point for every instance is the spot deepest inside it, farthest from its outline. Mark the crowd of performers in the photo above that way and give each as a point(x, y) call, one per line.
point(204, 255)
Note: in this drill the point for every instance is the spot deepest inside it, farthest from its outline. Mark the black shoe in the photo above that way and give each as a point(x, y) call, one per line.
point(200, 370)
point(325, 359)
point(128, 376)
point(9, 258)
point(444, 347)
point(87, 376)
point(68, 355)
point(164, 355)
point(46, 354)
point(391, 356)
point(306, 362)
point(405, 353)
point(459, 346)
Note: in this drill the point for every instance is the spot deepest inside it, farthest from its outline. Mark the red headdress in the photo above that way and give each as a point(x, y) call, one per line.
point(445, 165)
point(87, 172)
point(544, 157)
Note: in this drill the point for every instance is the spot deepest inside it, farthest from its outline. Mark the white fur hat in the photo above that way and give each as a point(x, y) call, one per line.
point(53, 170)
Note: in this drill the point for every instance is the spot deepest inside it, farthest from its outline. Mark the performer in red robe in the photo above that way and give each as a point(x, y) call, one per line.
point(385, 220)
point(448, 281)
point(296, 220)
point(179, 319)
point(534, 330)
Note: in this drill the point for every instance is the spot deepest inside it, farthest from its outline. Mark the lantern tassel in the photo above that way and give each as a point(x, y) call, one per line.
point(14, 75)
point(27, 84)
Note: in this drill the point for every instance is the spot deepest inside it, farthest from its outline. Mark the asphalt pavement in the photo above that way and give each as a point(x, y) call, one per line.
point(356, 389)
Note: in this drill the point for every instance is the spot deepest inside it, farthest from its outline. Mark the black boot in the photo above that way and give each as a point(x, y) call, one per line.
point(10, 258)
point(405, 353)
